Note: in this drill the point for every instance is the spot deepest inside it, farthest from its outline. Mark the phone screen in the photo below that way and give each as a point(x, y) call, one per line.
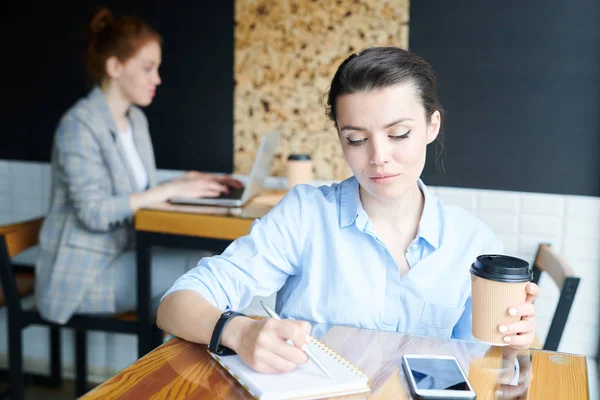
point(437, 374)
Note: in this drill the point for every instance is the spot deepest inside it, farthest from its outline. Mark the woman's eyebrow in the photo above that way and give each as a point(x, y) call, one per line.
point(358, 128)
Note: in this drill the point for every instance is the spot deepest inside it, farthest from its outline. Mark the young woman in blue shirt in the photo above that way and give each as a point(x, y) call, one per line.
point(377, 250)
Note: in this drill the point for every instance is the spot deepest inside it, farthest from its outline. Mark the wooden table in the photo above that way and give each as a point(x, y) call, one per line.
point(184, 370)
point(198, 227)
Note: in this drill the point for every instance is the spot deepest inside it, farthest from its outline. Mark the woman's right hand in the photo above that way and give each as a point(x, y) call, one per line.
point(263, 345)
point(198, 186)
point(201, 185)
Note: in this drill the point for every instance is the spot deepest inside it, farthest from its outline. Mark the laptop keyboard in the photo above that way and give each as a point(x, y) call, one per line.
point(234, 194)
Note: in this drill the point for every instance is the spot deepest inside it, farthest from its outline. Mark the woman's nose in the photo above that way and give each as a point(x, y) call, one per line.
point(379, 153)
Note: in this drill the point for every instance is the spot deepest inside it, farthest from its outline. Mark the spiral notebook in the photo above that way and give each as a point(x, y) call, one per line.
point(305, 382)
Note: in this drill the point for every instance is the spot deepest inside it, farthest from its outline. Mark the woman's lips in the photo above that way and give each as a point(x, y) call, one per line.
point(383, 179)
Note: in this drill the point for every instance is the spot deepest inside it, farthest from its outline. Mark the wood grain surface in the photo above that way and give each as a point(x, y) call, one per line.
point(227, 223)
point(184, 370)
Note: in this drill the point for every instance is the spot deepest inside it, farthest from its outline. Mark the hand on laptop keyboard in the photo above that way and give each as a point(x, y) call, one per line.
point(229, 182)
point(224, 179)
point(234, 193)
point(201, 184)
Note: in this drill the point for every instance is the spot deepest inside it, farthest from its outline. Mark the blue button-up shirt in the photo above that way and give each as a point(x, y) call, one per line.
point(318, 251)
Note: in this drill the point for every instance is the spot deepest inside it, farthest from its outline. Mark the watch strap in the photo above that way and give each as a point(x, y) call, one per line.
point(215, 341)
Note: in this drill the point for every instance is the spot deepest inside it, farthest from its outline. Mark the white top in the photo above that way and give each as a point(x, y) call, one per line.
point(133, 157)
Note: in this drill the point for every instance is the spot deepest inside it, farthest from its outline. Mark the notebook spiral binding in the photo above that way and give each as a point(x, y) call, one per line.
point(339, 358)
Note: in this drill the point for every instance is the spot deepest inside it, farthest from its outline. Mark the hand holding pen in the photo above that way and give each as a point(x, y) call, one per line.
point(264, 345)
point(305, 348)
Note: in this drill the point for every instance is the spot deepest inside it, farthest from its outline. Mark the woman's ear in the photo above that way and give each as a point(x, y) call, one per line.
point(113, 67)
point(433, 127)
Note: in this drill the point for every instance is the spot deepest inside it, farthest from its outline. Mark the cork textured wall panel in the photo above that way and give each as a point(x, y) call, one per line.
point(286, 52)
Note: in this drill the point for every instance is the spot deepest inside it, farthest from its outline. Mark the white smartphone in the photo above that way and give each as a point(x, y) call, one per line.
point(436, 377)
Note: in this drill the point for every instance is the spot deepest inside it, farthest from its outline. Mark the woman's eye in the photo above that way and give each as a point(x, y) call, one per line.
point(400, 137)
point(355, 142)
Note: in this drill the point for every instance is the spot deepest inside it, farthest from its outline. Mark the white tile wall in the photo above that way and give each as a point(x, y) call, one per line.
point(572, 225)
point(584, 207)
point(459, 197)
point(540, 225)
point(496, 201)
point(542, 204)
point(500, 223)
point(522, 220)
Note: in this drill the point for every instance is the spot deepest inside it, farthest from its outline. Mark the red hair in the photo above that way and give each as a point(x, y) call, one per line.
point(109, 36)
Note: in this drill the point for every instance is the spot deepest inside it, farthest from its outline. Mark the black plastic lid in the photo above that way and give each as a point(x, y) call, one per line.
point(299, 157)
point(502, 268)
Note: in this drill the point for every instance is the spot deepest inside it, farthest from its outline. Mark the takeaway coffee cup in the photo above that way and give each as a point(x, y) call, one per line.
point(497, 282)
point(299, 169)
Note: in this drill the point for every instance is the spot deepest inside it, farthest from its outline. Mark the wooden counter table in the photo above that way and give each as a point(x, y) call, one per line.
point(195, 227)
point(184, 370)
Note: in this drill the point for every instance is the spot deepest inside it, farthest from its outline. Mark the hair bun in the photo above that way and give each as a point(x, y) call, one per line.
point(101, 18)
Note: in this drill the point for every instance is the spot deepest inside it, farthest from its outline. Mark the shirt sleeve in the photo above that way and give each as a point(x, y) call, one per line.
point(90, 187)
point(254, 265)
point(494, 246)
point(463, 328)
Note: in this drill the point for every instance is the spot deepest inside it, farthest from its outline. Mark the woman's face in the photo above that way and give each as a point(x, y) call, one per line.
point(384, 135)
point(138, 77)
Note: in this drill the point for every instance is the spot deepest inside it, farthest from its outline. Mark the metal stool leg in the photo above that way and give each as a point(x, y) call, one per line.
point(55, 356)
point(15, 360)
point(80, 362)
point(157, 337)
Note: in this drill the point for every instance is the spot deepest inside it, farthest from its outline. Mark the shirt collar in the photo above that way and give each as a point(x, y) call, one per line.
point(430, 223)
point(98, 102)
point(351, 209)
point(350, 205)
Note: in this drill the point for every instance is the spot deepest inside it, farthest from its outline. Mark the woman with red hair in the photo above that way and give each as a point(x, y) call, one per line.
point(103, 170)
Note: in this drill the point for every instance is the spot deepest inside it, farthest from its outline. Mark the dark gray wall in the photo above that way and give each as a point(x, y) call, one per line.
point(520, 81)
point(191, 119)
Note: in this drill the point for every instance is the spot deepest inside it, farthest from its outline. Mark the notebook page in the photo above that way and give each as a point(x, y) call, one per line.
point(306, 381)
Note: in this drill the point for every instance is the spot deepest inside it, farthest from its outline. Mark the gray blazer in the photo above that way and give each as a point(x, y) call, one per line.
point(89, 223)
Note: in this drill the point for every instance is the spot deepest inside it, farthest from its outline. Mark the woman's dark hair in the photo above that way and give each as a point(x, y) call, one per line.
point(380, 67)
point(109, 36)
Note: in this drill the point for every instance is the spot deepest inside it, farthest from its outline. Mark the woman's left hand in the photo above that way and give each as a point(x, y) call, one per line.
point(521, 334)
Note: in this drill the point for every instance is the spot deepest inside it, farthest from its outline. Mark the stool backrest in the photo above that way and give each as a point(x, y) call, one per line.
point(548, 261)
point(14, 239)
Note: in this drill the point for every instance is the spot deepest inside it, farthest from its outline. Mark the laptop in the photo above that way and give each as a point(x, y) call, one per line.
point(260, 169)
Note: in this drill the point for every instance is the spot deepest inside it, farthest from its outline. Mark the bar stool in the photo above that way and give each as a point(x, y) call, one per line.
point(14, 239)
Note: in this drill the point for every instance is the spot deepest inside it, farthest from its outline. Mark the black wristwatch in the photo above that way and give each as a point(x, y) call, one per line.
point(215, 346)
